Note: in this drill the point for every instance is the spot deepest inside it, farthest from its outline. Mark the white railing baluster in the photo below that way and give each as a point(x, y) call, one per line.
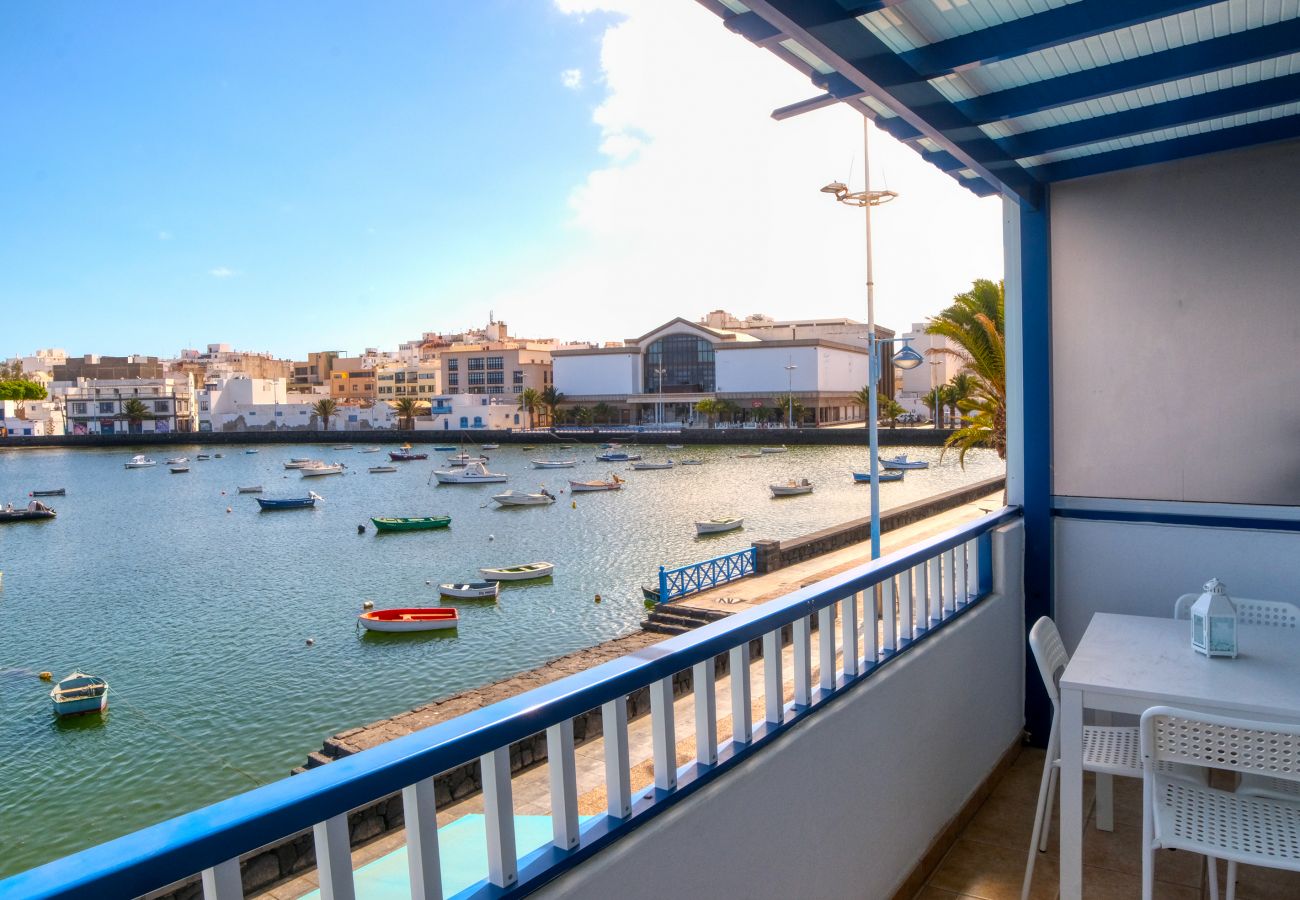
point(870, 627)
point(334, 858)
point(773, 684)
point(972, 568)
point(905, 615)
point(949, 593)
point(826, 646)
point(889, 616)
point(802, 662)
point(849, 634)
point(742, 727)
point(664, 733)
point(959, 575)
point(934, 590)
point(706, 713)
point(420, 810)
point(499, 812)
point(618, 780)
point(223, 881)
point(564, 785)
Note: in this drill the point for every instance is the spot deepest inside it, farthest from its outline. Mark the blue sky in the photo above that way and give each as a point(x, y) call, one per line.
point(275, 174)
point(292, 176)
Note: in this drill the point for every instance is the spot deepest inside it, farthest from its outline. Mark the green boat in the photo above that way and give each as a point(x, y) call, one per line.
point(415, 523)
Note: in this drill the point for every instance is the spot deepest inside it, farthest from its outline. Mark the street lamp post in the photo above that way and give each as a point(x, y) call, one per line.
point(934, 381)
point(865, 199)
point(789, 394)
point(660, 404)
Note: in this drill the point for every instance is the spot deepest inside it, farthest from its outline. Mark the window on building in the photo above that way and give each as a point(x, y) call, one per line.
point(496, 389)
point(518, 377)
point(679, 363)
point(453, 379)
point(495, 362)
point(105, 408)
point(496, 377)
point(160, 406)
point(476, 363)
point(475, 377)
point(78, 409)
point(453, 364)
point(474, 390)
point(517, 389)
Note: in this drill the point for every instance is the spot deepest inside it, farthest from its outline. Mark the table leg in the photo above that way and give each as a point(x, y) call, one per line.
point(1071, 794)
point(1105, 785)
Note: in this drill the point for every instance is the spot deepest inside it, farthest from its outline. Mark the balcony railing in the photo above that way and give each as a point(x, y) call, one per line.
point(701, 576)
point(904, 598)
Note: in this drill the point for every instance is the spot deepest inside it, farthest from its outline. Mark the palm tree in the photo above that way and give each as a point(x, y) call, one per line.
point(929, 402)
point(407, 409)
point(728, 408)
point(889, 408)
point(975, 324)
point(709, 407)
point(551, 398)
point(961, 387)
point(791, 409)
point(862, 397)
point(529, 400)
point(601, 412)
point(582, 415)
point(325, 410)
point(135, 412)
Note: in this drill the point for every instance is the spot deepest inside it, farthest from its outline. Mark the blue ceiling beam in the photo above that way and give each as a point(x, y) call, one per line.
point(1142, 71)
point(1017, 37)
point(1212, 105)
point(863, 59)
point(1179, 148)
point(754, 28)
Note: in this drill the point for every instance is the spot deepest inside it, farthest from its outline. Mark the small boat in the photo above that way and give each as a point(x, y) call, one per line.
point(406, 456)
point(748, 455)
point(554, 463)
point(474, 473)
point(410, 523)
point(301, 459)
point(382, 470)
point(781, 449)
point(471, 590)
point(203, 457)
point(290, 502)
point(519, 573)
point(527, 448)
point(650, 592)
point(523, 498)
point(214, 456)
point(178, 470)
point(611, 445)
point(613, 484)
point(446, 449)
point(251, 450)
point(673, 446)
point(322, 469)
point(865, 477)
point(792, 488)
point(342, 446)
point(140, 461)
point(52, 492)
point(489, 446)
point(618, 456)
point(80, 693)
point(302, 463)
point(369, 449)
point(464, 459)
point(427, 618)
point(649, 466)
point(251, 489)
point(690, 462)
point(178, 461)
point(902, 462)
point(717, 526)
point(34, 511)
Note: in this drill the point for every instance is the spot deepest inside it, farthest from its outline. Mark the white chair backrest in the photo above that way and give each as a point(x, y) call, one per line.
point(1219, 742)
point(1274, 613)
point(1049, 652)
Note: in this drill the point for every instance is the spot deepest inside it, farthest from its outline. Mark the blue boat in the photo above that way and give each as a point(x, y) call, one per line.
point(618, 457)
point(446, 449)
point(290, 502)
point(250, 450)
point(80, 693)
point(865, 477)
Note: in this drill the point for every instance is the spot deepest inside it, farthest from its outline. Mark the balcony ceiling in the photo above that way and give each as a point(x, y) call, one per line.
point(1009, 95)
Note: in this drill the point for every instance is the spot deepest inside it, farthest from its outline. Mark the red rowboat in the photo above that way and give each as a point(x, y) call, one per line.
point(428, 618)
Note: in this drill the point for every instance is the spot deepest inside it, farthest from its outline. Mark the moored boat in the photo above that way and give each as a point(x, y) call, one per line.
point(554, 463)
point(289, 502)
point(342, 446)
point(369, 449)
point(406, 456)
point(446, 449)
point(464, 459)
point(792, 488)
point(52, 492)
point(650, 466)
point(178, 470)
point(690, 462)
point(410, 523)
point(719, 525)
point(403, 619)
point(80, 693)
point(214, 456)
point(203, 457)
point(472, 590)
point(748, 455)
point(673, 446)
point(34, 511)
point(618, 456)
point(902, 462)
point(178, 461)
point(882, 477)
point(382, 470)
point(302, 463)
point(140, 461)
point(251, 450)
point(489, 446)
point(781, 449)
point(474, 473)
point(317, 471)
point(251, 489)
point(650, 592)
point(525, 572)
point(613, 484)
point(523, 498)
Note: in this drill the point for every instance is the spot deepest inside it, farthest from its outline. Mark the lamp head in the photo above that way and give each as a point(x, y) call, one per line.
point(907, 358)
point(838, 188)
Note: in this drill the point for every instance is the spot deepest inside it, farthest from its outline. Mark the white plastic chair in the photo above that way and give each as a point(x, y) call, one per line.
point(1107, 750)
point(1220, 824)
point(1275, 613)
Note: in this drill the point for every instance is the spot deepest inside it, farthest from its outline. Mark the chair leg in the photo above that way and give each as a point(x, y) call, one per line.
point(1148, 841)
point(1212, 873)
point(1041, 813)
point(1232, 880)
point(1047, 813)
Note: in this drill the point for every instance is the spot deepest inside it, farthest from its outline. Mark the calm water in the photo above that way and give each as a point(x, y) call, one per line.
point(198, 617)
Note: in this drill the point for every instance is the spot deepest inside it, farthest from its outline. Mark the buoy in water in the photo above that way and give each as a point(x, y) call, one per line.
point(573, 504)
point(361, 529)
point(367, 604)
point(598, 598)
point(47, 676)
point(492, 537)
point(228, 509)
point(311, 642)
point(428, 582)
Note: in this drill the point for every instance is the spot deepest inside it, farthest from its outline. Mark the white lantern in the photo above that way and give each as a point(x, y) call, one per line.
point(1214, 622)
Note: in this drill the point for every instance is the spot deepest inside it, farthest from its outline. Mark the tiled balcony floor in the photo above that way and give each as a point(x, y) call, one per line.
point(987, 862)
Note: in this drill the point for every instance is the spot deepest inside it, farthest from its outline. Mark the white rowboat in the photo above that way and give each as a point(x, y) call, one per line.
point(519, 573)
point(474, 473)
point(317, 471)
point(902, 462)
point(579, 487)
point(650, 466)
point(382, 470)
point(472, 590)
point(140, 462)
point(716, 526)
point(523, 498)
point(554, 463)
point(792, 488)
point(773, 449)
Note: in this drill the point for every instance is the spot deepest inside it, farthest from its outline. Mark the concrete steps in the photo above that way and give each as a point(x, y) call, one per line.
point(670, 619)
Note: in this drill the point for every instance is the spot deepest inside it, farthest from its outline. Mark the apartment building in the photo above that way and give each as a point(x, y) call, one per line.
point(103, 406)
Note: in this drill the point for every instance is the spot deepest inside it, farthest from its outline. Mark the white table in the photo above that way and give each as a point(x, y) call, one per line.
point(1130, 663)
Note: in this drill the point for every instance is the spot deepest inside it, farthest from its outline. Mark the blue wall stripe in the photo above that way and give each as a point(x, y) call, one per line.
point(1201, 520)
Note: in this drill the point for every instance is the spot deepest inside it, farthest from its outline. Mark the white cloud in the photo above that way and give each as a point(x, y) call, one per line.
point(571, 78)
point(706, 202)
point(222, 272)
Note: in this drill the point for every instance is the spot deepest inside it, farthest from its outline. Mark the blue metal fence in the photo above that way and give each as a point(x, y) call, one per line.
point(701, 576)
point(903, 598)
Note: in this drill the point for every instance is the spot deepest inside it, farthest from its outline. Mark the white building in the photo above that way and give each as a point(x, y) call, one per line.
point(265, 404)
point(42, 361)
point(938, 369)
point(33, 418)
point(101, 405)
point(450, 412)
point(681, 363)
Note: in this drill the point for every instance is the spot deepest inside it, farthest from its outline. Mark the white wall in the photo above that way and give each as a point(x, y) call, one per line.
point(759, 369)
point(845, 803)
point(1176, 323)
point(599, 373)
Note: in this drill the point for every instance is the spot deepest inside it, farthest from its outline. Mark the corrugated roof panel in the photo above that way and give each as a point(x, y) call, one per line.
point(877, 107)
point(1164, 134)
point(735, 6)
point(919, 22)
point(807, 56)
point(894, 31)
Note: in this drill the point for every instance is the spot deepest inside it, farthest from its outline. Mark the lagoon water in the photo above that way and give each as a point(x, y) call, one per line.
point(199, 617)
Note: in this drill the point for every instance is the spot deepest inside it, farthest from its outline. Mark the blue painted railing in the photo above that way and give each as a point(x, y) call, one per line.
point(701, 576)
point(905, 597)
